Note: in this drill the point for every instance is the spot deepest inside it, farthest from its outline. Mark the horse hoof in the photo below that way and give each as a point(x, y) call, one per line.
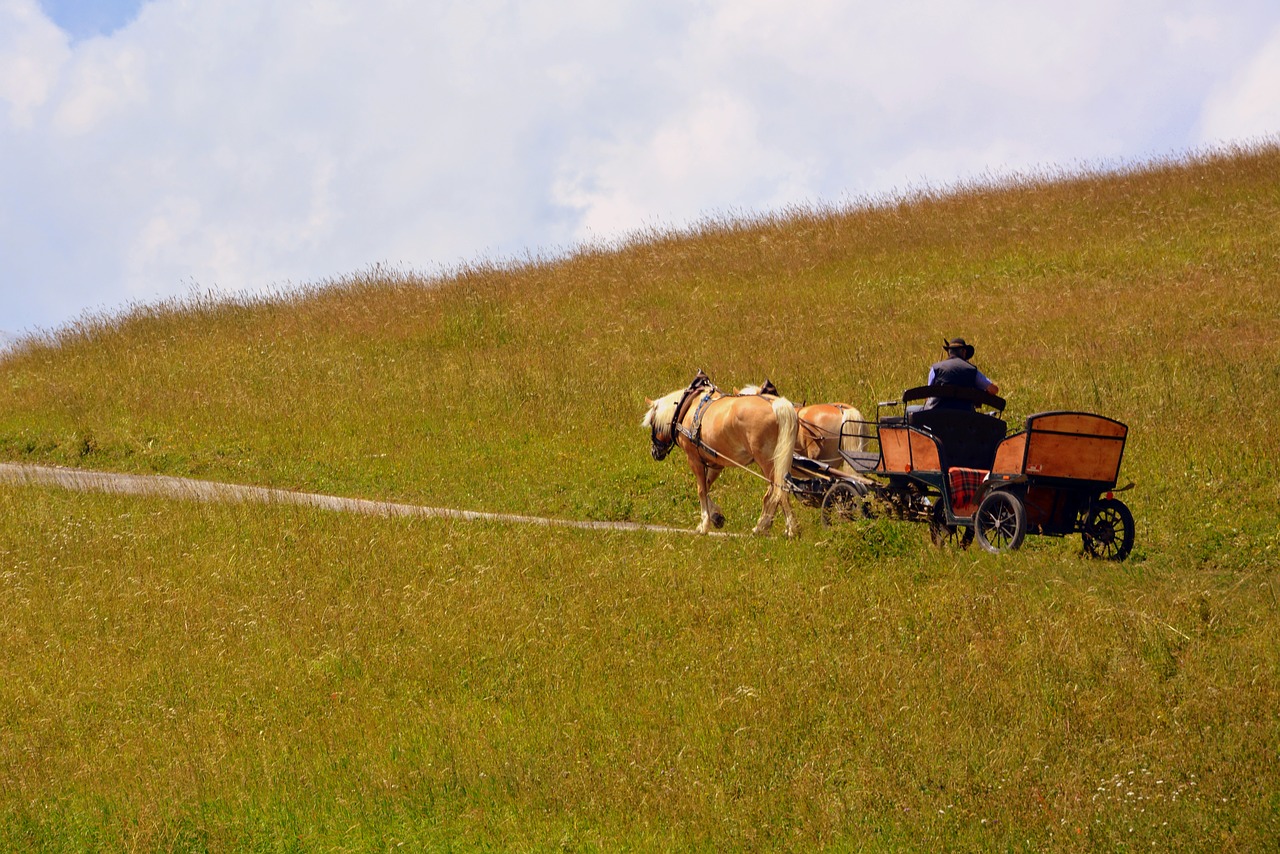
point(718, 520)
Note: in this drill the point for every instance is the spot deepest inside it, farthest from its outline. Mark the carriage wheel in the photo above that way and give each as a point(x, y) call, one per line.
point(1108, 532)
point(948, 536)
point(841, 503)
point(1001, 522)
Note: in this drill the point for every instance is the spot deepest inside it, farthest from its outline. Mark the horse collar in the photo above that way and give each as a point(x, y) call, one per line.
point(662, 447)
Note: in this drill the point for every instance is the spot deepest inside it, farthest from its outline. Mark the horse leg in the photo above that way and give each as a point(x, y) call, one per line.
point(780, 497)
point(717, 516)
point(793, 527)
point(775, 497)
point(770, 502)
point(704, 478)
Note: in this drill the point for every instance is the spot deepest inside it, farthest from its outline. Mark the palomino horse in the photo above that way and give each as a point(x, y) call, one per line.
point(826, 429)
point(717, 430)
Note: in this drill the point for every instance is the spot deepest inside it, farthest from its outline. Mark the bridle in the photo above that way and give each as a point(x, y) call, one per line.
point(660, 446)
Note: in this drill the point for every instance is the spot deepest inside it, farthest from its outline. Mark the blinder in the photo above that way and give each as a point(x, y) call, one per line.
point(660, 448)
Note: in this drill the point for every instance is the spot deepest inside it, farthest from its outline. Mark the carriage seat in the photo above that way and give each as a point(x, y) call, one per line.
point(967, 439)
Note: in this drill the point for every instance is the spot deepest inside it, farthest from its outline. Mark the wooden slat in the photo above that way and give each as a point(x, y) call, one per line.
point(1077, 422)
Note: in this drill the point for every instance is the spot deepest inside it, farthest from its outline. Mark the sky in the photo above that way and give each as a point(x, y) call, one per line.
point(152, 149)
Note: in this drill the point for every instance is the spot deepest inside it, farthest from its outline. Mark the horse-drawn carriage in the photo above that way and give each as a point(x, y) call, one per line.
point(957, 470)
point(950, 465)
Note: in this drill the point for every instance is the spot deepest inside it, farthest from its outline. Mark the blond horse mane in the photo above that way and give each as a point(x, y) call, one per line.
point(662, 412)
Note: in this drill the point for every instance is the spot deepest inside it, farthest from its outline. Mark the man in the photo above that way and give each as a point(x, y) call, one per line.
point(957, 370)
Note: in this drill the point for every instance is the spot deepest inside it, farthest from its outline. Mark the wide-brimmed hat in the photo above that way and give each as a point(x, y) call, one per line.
point(957, 347)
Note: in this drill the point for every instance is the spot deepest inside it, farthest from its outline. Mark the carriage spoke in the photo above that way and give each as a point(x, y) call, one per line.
point(1108, 532)
point(1001, 522)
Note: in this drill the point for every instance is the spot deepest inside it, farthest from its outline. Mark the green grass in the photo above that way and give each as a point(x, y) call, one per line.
point(182, 676)
point(251, 675)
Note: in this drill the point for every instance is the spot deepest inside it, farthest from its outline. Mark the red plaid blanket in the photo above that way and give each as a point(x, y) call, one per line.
point(964, 484)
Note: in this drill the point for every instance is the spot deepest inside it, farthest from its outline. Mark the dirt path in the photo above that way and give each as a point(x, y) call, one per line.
point(203, 490)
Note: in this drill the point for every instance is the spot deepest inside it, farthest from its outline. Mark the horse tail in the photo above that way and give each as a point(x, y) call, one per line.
point(852, 438)
point(788, 429)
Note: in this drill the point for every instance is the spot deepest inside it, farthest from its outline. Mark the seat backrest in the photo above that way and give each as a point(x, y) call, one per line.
point(967, 439)
point(959, 394)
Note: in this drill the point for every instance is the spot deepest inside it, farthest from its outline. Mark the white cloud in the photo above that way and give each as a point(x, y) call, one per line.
point(103, 81)
point(1248, 107)
point(712, 150)
point(241, 144)
point(32, 53)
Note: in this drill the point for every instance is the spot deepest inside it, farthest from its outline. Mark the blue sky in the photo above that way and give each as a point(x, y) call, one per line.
point(83, 19)
point(180, 147)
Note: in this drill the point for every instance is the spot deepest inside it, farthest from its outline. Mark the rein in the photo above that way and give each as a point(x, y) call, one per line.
point(716, 455)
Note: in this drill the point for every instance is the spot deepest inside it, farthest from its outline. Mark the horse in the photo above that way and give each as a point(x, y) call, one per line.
point(716, 430)
point(826, 429)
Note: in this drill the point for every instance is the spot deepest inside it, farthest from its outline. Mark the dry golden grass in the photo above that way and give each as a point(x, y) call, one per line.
point(182, 676)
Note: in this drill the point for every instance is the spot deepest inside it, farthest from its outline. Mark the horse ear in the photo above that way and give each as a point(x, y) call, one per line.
point(648, 402)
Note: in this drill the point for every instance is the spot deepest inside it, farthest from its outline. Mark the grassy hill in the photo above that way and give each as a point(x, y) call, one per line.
point(192, 676)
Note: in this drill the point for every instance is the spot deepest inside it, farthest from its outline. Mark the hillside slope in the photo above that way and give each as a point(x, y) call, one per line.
point(246, 677)
point(1149, 296)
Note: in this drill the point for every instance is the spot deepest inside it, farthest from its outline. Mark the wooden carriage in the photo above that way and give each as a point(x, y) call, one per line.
point(958, 470)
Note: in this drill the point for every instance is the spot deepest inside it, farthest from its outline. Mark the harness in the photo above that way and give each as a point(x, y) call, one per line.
point(701, 383)
point(695, 435)
point(706, 391)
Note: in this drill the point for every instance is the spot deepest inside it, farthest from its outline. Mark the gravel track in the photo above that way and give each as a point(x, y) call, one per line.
point(182, 488)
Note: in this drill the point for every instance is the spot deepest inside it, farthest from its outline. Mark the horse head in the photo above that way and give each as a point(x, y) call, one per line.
point(659, 420)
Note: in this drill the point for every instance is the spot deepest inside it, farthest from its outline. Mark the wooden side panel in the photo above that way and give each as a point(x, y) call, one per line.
point(1078, 457)
point(924, 453)
point(895, 452)
point(1009, 454)
point(903, 450)
point(1076, 445)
